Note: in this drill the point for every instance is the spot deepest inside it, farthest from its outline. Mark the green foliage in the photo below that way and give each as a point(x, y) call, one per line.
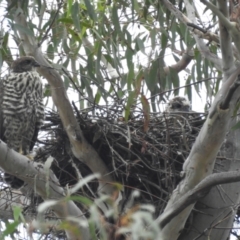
point(12, 226)
point(134, 221)
point(109, 51)
point(113, 40)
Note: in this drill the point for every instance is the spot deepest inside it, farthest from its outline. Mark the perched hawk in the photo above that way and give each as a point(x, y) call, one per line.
point(178, 104)
point(21, 108)
point(180, 108)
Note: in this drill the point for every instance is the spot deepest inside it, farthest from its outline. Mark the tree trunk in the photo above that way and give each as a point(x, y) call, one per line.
point(212, 217)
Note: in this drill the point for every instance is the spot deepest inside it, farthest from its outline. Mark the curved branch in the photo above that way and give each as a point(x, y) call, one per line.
point(27, 170)
point(230, 26)
point(198, 192)
point(201, 159)
point(198, 35)
point(181, 64)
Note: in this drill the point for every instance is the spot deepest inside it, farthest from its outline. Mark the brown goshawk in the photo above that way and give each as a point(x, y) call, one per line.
point(21, 109)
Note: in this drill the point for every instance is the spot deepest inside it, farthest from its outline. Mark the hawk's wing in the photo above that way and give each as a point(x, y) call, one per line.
point(35, 135)
point(1, 114)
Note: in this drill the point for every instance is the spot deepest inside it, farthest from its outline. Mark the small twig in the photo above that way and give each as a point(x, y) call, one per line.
point(72, 81)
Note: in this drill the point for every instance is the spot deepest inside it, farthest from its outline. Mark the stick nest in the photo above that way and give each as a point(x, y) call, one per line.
point(145, 153)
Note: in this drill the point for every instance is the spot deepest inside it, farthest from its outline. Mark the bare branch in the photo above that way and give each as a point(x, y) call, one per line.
point(225, 42)
point(201, 159)
point(198, 35)
point(182, 63)
point(230, 26)
point(194, 26)
point(199, 191)
point(27, 170)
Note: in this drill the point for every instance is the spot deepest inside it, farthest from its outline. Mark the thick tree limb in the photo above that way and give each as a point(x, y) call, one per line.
point(225, 42)
point(27, 170)
point(225, 104)
point(201, 159)
point(199, 191)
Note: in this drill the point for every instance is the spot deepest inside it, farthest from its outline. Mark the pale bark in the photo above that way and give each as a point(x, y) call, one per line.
point(215, 213)
point(181, 64)
point(231, 26)
point(200, 191)
point(35, 176)
point(201, 160)
point(226, 43)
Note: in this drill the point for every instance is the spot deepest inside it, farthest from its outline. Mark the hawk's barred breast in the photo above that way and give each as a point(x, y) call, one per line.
point(22, 108)
point(22, 90)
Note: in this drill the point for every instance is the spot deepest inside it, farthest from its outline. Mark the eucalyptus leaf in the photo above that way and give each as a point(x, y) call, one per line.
point(75, 15)
point(90, 10)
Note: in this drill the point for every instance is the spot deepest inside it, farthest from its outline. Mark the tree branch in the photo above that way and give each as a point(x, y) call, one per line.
point(225, 42)
point(198, 192)
point(27, 170)
point(194, 26)
point(225, 103)
point(198, 35)
point(230, 26)
point(182, 63)
point(201, 159)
